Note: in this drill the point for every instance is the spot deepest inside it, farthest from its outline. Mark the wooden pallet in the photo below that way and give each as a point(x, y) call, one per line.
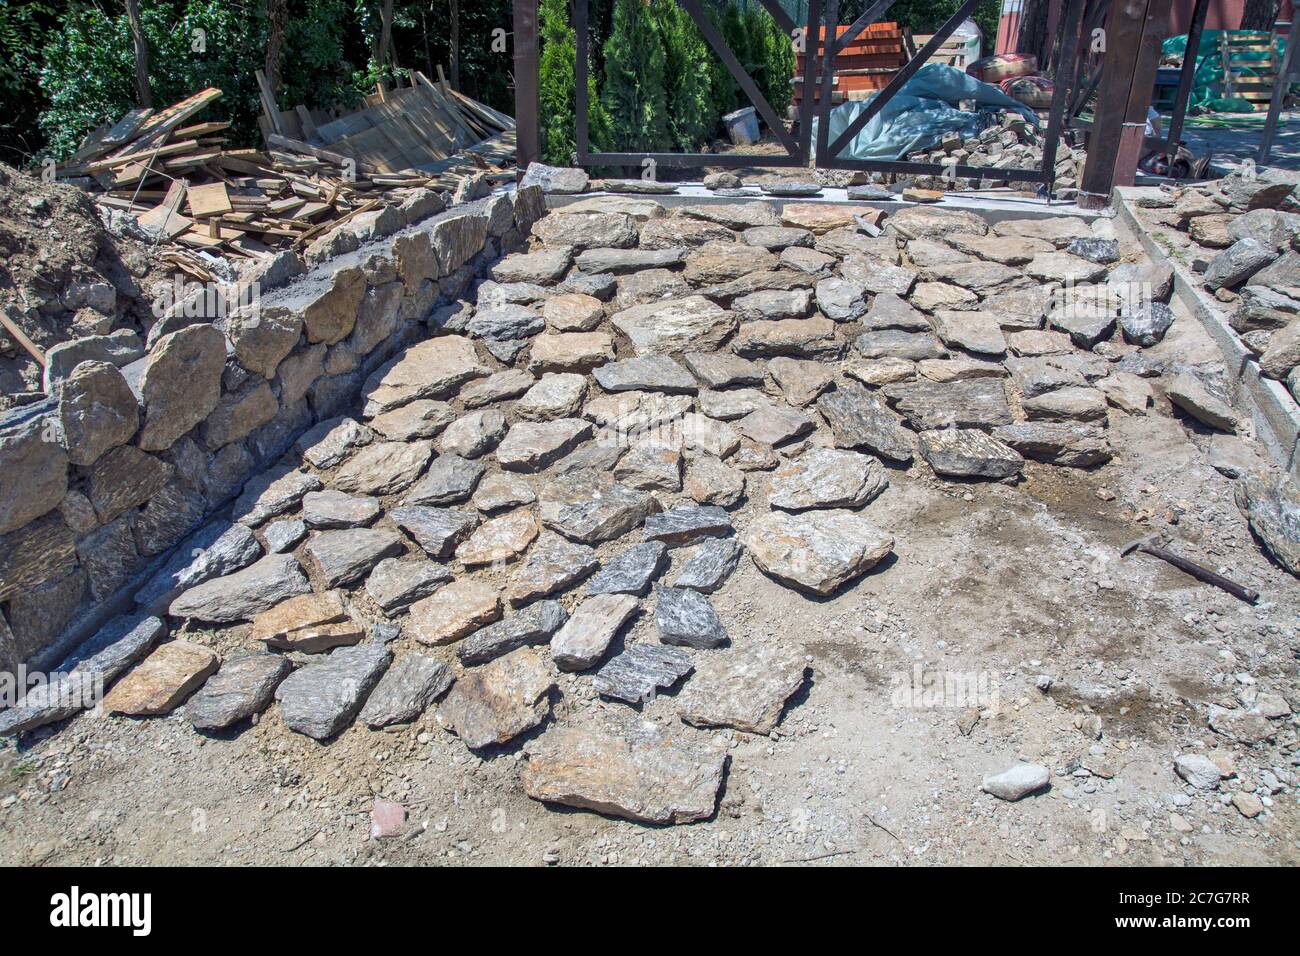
point(1250, 67)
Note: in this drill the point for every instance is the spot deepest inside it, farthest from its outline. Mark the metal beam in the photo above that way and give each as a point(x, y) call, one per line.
point(1188, 74)
point(528, 136)
point(1280, 87)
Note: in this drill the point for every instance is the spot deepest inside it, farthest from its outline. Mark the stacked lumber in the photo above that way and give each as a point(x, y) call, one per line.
point(1251, 63)
point(182, 185)
point(864, 66)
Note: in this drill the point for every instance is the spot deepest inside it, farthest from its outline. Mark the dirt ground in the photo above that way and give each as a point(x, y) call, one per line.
point(996, 582)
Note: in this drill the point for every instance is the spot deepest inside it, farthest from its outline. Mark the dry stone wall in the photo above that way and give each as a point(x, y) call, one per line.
point(138, 442)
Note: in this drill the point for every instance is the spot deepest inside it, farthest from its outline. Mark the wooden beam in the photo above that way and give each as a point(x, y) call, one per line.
point(528, 142)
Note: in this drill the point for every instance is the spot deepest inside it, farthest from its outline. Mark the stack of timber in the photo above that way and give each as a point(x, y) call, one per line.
point(183, 187)
point(864, 66)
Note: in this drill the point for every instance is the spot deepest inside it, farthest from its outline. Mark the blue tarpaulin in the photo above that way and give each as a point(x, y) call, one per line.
point(924, 111)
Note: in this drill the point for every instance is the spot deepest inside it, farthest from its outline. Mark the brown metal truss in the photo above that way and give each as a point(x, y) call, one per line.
point(821, 54)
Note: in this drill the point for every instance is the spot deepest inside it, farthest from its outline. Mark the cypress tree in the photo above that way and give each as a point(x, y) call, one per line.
point(692, 117)
point(556, 90)
point(634, 94)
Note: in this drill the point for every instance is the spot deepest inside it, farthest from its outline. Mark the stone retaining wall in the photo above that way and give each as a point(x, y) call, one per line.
point(137, 443)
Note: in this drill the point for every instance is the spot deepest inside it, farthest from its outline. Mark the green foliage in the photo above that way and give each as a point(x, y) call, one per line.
point(557, 88)
point(692, 116)
point(24, 24)
point(634, 93)
point(764, 51)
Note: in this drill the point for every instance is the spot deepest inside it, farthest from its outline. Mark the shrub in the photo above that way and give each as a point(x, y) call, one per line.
point(692, 114)
point(634, 95)
point(557, 88)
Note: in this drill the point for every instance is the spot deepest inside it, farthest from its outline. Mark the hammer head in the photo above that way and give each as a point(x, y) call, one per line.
point(1134, 545)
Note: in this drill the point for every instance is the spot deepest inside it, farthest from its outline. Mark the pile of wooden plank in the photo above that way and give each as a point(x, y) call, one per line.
point(175, 176)
point(864, 66)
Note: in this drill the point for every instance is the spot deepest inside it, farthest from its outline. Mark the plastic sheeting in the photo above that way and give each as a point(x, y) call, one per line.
point(1207, 78)
point(924, 111)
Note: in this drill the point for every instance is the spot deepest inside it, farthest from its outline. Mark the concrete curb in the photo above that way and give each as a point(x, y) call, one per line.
point(1273, 410)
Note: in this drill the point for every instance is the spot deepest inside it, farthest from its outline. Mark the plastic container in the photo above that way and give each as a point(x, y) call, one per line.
point(742, 126)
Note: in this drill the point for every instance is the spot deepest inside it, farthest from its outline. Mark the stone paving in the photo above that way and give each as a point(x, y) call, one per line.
point(621, 415)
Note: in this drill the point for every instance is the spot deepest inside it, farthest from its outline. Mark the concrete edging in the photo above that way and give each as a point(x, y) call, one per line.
point(1272, 409)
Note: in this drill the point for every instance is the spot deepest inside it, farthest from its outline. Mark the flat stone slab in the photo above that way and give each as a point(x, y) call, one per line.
point(335, 509)
point(590, 508)
point(342, 557)
point(636, 675)
point(321, 699)
point(816, 551)
point(436, 530)
point(308, 623)
point(687, 619)
point(709, 565)
point(675, 325)
point(723, 370)
point(556, 395)
point(774, 425)
point(631, 571)
point(244, 594)
point(450, 480)
point(969, 453)
point(1064, 444)
point(655, 373)
point(161, 682)
point(405, 690)
point(245, 685)
point(533, 625)
point(745, 689)
point(827, 478)
point(975, 403)
point(895, 343)
point(493, 704)
point(684, 525)
point(799, 338)
point(215, 550)
point(453, 611)
point(272, 493)
point(638, 773)
point(503, 490)
point(532, 446)
point(432, 369)
point(586, 636)
point(395, 584)
point(858, 418)
point(977, 332)
point(383, 468)
point(473, 434)
point(733, 215)
point(499, 539)
point(553, 564)
point(1190, 394)
point(621, 261)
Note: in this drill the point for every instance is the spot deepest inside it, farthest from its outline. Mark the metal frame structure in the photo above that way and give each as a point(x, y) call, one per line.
point(821, 49)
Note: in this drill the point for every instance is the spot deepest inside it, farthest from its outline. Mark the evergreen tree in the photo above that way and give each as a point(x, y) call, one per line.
point(634, 94)
point(557, 88)
point(692, 117)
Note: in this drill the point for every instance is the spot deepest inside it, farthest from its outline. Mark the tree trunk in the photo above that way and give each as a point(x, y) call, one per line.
point(385, 34)
point(455, 43)
point(1259, 15)
point(142, 91)
point(277, 12)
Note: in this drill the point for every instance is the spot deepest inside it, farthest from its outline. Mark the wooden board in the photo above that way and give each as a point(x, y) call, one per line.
point(209, 200)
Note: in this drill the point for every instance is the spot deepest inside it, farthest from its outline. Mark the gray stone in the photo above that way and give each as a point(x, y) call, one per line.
point(1040, 375)
point(1272, 506)
point(1085, 324)
point(840, 299)
point(636, 674)
point(650, 469)
point(578, 231)
point(633, 770)
point(977, 332)
point(215, 550)
point(431, 369)
point(1282, 353)
point(395, 584)
point(555, 179)
point(687, 619)
point(503, 490)
point(120, 349)
point(1019, 781)
point(272, 493)
point(895, 343)
point(330, 442)
point(621, 261)
point(321, 699)
point(436, 530)
point(657, 373)
point(245, 685)
point(97, 411)
point(33, 471)
point(495, 388)
point(493, 704)
point(532, 446)
point(544, 267)
point(1145, 324)
point(449, 481)
point(799, 338)
point(776, 238)
point(505, 322)
point(1066, 444)
point(632, 571)
point(710, 482)
point(732, 215)
point(600, 286)
point(975, 403)
point(123, 478)
point(1066, 404)
point(1234, 265)
point(969, 453)
point(245, 593)
point(827, 478)
point(553, 564)
point(734, 403)
point(556, 395)
point(1190, 394)
point(745, 689)
point(685, 525)
point(722, 370)
point(675, 325)
point(774, 425)
point(180, 384)
point(816, 551)
point(590, 508)
point(1200, 771)
point(342, 557)
point(1103, 251)
point(473, 434)
point(709, 565)
point(586, 636)
point(334, 509)
point(499, 539)
point(859, 419)
point(889, 311)
point(405, 690)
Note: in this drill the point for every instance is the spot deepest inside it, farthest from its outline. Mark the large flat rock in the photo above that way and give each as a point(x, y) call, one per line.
point(816, 551)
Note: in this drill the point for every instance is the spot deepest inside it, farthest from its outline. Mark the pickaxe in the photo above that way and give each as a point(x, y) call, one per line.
point(1152, 545)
